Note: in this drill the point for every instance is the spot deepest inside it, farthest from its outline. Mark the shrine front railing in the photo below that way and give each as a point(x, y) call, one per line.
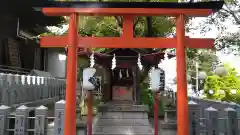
point(18, 90)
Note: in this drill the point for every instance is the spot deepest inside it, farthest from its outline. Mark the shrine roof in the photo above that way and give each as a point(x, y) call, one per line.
point(128, 53)
point(214, 5)
point(147, 58)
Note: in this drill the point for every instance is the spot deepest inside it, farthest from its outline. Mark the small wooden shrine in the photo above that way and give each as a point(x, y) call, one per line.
point(123, 83)
point(125, 68)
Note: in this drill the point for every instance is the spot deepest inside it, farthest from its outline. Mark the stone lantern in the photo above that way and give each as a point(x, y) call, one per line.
point(202, 75)
point(221, 71)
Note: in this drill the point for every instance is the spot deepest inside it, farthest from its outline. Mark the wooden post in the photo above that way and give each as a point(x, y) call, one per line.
point(70, 117)
point(89, 112)
point(127, 32)
point(156, 113)
point(182, 99)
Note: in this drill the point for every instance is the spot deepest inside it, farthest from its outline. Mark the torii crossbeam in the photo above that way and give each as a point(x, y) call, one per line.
point(127, 40)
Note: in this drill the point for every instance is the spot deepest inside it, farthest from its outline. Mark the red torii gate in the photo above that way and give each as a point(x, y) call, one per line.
point(127, 40)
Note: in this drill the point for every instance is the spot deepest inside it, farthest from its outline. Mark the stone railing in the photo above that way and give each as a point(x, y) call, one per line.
point(38, 124)
point(30, 90)
point(205, 103)
point(209, 124)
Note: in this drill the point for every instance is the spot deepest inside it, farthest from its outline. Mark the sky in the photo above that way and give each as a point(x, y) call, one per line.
point(231, 59)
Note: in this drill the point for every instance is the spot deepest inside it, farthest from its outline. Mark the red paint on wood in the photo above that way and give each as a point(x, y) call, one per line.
point(121, 42)
point(156, 113)
point(90, 113)
point(70, 111)
point(182, 99)
point(126, 11)
point(122, 91)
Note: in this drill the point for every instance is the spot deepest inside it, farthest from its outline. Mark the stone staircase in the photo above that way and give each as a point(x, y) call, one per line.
point(122, 119)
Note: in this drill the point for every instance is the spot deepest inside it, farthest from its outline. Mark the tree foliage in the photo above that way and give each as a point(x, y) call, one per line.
point(223, 21)
point(225, 83)
point(205, 59)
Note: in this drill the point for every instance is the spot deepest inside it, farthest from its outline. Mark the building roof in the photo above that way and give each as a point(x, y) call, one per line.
point(214, 5)
point(30, 19)
point(35, 72)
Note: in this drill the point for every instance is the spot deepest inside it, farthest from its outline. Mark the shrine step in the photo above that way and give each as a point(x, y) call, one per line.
point(122, 108)
point(123, 130)
point(122, 119)
point(123, 115)
point(123, 122)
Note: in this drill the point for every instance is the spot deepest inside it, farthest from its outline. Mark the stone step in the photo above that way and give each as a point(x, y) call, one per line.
point(122, 108)
point(123, 130)
point(123, 122)
point(123, 115)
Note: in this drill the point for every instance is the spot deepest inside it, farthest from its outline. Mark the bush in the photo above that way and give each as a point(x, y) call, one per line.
point(225, 83)
point(147, 98)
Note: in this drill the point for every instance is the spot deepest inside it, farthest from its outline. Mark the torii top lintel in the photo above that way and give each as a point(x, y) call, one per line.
point(131, 8)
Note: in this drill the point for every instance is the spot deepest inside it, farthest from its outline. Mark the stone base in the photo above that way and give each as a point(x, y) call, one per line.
point(122, 119)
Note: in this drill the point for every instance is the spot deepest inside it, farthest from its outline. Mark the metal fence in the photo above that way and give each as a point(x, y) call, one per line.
point(30, 90)
point(211, 123)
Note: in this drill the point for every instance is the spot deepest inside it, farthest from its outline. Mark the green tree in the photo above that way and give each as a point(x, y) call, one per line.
point(205, 59)
point(228, 16)
point(222, 86)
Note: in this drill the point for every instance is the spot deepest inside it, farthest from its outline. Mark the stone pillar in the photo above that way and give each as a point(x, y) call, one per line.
point(4, 89)
point(18, 90)
point(59, 118)
point(211, 115)
point(21, 120)
point(41, 120)
point(4, 112)
point(22, 88)
point(194, 115)
point(231, 121)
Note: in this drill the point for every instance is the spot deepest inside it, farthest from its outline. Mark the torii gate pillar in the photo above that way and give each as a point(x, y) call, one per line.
point(70, 106)
point(182, 99)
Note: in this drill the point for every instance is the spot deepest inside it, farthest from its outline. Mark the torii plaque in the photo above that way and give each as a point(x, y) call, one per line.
point(127, 40)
